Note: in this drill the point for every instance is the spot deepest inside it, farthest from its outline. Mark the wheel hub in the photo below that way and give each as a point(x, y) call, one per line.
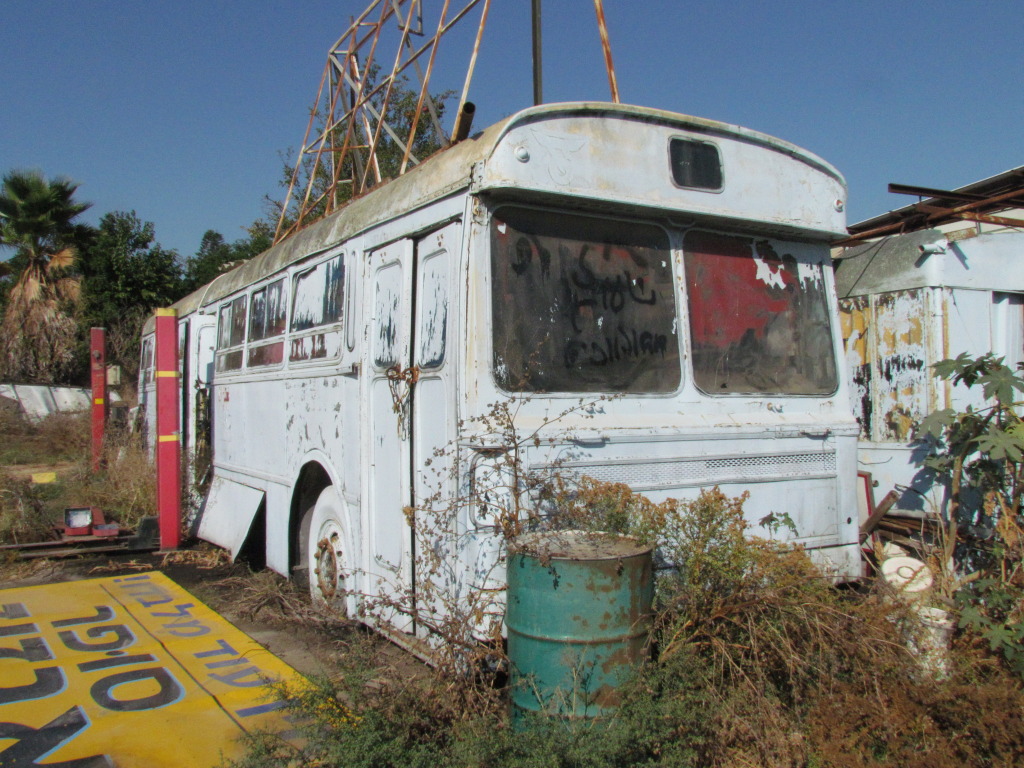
point(327, 571)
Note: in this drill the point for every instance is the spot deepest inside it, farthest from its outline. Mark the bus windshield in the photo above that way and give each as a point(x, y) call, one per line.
point(759, 320)
point(586, 304)
point(582, 304)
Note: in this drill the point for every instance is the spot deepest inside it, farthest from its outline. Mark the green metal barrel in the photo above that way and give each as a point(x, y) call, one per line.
point(578, 620)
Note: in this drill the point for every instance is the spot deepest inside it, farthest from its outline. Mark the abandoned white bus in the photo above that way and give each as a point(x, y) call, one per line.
point(671, 272)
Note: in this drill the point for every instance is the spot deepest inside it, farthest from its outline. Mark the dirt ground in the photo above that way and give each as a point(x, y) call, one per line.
point(263, 605)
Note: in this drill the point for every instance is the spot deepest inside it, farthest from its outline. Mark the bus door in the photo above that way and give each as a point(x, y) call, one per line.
point(388, 485)
point(433, 398)
point(410, 397)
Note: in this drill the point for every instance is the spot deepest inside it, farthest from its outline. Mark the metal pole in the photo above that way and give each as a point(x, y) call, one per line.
point(469, 73)
point(607, 47)
point(98, 377)
point(168, 435)
point(538, 69)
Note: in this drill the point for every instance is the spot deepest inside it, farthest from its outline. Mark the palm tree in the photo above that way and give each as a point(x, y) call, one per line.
point(37, 332)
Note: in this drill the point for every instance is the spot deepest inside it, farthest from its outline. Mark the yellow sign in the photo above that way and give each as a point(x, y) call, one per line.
point(128, 671)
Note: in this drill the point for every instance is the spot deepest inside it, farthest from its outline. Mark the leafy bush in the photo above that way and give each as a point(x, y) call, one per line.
point(980, 454)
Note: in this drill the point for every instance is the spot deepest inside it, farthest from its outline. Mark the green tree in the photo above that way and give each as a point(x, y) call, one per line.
point(216, 255)
point(39, 332)
point(127, 275)
point(311, 195)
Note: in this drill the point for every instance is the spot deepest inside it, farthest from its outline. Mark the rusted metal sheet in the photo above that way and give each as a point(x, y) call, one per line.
point(901, 360)
point(888, 351)
point(855, 323)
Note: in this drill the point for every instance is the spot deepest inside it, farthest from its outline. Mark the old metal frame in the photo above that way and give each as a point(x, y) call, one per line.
point(976, 202)
point(345, 106)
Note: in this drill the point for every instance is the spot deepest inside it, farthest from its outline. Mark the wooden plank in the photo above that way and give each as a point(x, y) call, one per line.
point(879, 512)
point(75, 546)
point(73, 551)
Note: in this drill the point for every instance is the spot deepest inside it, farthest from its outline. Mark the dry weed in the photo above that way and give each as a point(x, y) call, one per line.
point(760, 661)
point(58, 437)
point(267, 597)
point(204, 558)
point(23, 513)
point(963, 722)
point(40, 569)
point(125, 488)
point(65, 434)
point(118, 567)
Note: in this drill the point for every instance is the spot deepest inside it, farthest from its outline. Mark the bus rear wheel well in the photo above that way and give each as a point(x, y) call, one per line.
point(313, 478)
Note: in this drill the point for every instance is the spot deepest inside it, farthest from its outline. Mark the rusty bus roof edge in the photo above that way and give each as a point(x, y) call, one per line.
point(450, 170)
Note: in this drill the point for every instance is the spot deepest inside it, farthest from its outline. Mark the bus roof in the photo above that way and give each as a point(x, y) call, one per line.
point(450, 171)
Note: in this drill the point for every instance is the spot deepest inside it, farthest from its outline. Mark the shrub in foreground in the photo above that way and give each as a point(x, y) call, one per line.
point(757, 660)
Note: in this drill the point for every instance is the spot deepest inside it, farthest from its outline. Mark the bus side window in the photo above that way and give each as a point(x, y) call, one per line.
point(146, 365)
point(350, 315)
point(266, 324)
point(318, 296)
point(432, 329)
point(231, 335)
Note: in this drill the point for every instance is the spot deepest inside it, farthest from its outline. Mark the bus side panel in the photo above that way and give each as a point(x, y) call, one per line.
point(322, 425)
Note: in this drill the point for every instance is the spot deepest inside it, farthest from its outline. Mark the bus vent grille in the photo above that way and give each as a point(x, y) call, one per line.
point(706, 470)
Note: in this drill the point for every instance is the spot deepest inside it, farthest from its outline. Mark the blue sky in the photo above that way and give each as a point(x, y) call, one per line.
point(179, 109)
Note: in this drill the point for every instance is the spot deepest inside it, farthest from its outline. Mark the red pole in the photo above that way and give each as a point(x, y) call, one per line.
point(98, 363)
point(168, 435)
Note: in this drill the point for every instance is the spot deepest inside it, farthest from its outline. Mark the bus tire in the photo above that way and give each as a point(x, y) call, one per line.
point(325, 556)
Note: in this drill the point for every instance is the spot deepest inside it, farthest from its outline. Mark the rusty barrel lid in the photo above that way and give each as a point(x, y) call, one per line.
point(577, 545)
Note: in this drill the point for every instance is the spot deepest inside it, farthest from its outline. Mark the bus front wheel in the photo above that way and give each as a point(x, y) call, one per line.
point(325, 555)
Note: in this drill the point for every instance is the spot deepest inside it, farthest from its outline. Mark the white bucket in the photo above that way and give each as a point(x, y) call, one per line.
point(933, 641)
point(911, 578)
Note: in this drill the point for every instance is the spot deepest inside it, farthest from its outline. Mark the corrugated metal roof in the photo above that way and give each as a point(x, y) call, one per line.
point(923, 213)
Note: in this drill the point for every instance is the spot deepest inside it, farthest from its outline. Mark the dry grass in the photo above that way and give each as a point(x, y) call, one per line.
point(760, 661)
point(124, 489)
point(206, 557)
point(267, 597)
point(119, 567)
point(25, 514)
point(37, 570)
point(59, 437)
